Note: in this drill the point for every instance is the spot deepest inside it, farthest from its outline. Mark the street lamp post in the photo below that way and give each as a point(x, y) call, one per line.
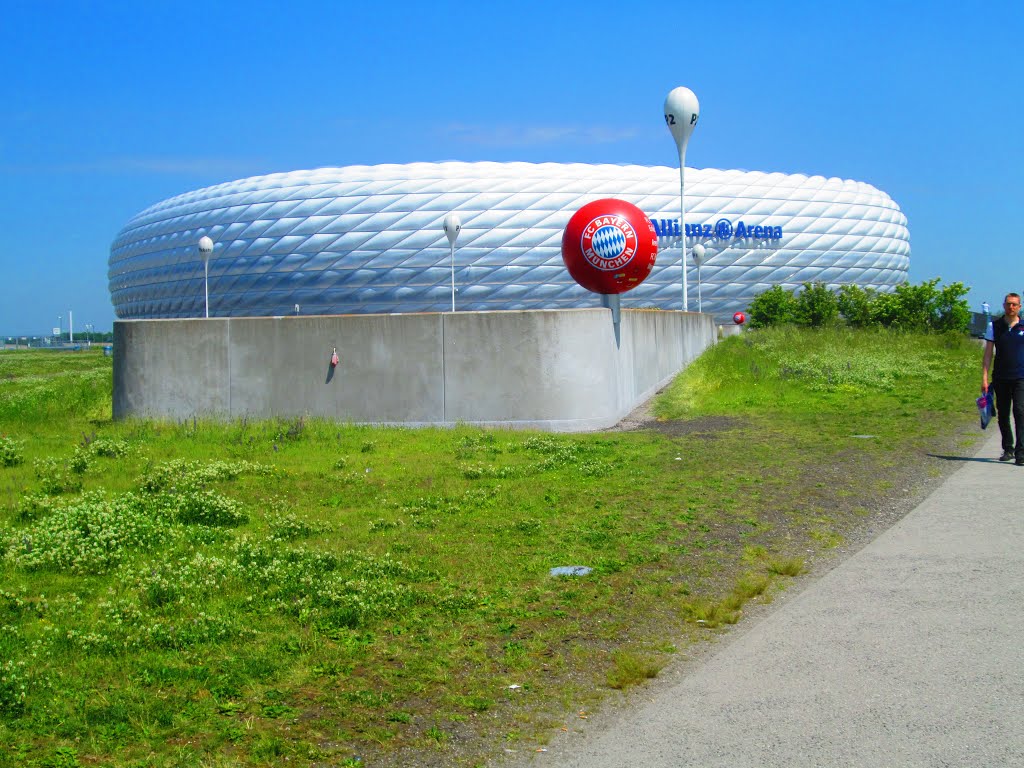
point(452, 227)
point(698, 252)
point(681, 112)
point(205, 250)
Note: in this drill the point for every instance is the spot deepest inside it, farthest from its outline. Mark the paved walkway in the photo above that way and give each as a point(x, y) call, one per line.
point(907, 654)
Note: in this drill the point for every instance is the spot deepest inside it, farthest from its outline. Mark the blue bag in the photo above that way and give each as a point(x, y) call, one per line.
point(986, 408)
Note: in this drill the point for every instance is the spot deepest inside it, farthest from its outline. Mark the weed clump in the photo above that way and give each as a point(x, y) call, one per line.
point(89, 536)
point(55, 478)
point(109, 448)
point(791, 566)
point(10, 451)
point(632, 668)
point(286, 526)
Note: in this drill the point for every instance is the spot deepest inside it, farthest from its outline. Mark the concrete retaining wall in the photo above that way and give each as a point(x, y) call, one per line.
point(559, 370)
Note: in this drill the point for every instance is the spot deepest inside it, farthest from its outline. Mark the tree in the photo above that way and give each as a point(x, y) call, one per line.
point(916, 305)
point(885, 310)
point(854, 305)
point(951, 309)
point(923, 307)
point(816, 305)
point(776, 306)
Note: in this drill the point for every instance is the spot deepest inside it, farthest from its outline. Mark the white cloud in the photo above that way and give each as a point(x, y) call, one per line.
point(170, 166)
point(534, 135)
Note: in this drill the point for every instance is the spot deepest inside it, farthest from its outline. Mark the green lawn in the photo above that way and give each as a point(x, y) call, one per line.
point(204, 594)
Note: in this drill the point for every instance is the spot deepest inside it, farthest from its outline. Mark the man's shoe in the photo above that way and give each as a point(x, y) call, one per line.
point(1020, 461)
point(1007, 456)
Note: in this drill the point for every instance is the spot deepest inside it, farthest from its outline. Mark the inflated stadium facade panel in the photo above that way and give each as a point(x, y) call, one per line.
point(369, 239)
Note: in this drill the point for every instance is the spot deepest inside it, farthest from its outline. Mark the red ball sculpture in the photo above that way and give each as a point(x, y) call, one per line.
point(739, 318)
point(609, 246)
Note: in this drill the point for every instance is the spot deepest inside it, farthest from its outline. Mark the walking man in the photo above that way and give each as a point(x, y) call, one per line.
point(1006, 341)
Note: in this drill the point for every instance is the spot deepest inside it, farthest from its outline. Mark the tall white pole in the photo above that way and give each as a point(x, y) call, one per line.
point(682, 222)
point(205, 251)
point(699, 252)
point(681, 112)
point(452, 226)
point(700, 303)
point(71, 328)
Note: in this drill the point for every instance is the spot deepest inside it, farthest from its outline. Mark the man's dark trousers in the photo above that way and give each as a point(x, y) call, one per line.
point(1007, 392)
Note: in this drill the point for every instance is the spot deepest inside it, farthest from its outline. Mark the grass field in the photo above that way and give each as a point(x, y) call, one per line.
point(309, 593)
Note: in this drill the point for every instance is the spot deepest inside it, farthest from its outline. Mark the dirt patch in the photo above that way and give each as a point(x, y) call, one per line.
point(642, 418)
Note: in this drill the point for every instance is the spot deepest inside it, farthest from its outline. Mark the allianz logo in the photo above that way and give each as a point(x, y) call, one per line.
point(723, 229)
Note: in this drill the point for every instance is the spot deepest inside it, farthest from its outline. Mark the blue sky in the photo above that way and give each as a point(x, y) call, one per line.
point(107, 108)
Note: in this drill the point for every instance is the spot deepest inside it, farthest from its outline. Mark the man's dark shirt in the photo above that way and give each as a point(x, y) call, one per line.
point(1009, 363)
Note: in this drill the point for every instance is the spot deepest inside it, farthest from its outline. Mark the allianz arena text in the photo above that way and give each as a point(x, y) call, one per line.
point(369, 239)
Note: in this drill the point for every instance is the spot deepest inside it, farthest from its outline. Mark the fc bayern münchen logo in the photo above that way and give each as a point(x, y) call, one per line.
point(608, 242)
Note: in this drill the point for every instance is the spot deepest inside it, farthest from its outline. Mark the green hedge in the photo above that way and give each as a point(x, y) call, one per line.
point(924, 307)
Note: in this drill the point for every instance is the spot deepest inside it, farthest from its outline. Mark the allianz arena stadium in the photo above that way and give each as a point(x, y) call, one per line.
point(369, 239)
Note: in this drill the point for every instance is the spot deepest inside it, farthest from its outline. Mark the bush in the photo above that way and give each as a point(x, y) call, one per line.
point(951, 308)
point(885, 310)
point(854, 304)
point(923, 307)
point(816, 305)
point(775, 306)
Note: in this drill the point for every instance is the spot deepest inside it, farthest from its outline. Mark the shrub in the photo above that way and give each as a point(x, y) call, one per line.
point(922, 307)
point(951, 309)
point(914, 305)
point(815, 305)
point(854, 304)
point(776, 306)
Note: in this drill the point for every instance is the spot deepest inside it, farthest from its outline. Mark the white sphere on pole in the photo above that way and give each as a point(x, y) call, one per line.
point(698, 252)
point(205, 247)
point(452, 227)
point(681, 112)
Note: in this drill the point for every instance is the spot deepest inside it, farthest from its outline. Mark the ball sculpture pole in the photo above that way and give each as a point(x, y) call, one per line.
point(698, 252)
point(609, 247)
point(681, 112)
point(452, 227)
point(205, 250)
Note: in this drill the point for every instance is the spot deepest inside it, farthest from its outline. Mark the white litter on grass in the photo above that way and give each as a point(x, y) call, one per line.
point(514, 687)
point(864, 437)
point(571, 570)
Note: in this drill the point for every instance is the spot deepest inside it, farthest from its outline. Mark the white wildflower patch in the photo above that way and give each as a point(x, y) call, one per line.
point(91, 535)
point(11, 451)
